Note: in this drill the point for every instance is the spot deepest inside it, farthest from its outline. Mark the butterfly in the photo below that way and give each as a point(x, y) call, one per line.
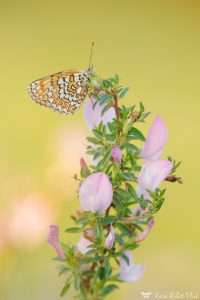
point(63, 92)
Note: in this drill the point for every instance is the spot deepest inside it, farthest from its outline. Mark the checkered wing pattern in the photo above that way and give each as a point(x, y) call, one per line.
point(63, 92)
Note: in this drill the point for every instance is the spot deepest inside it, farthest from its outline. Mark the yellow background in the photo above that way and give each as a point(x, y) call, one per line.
point(155, 47)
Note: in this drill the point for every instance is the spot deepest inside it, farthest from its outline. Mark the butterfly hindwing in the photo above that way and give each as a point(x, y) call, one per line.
point(63, 92)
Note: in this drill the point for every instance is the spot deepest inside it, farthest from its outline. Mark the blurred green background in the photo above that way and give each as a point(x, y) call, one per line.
point(155, 47)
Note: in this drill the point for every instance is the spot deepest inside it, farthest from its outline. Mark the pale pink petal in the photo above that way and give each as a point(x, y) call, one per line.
point(110, 238)
point(124, 267)
point(93, 116)
point(129, 272)
point(116, 154)
point(133, 276)
point(155, 141)
point(53, 239)
point(96, 193)
point(146, 231)
point(83, 244)
point(153, 173)
point(142, 191)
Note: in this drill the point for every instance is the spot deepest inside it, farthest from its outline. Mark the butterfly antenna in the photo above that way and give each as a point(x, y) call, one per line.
point(91, 52)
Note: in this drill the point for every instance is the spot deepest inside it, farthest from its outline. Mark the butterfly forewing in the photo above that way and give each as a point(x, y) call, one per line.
point(63, 92)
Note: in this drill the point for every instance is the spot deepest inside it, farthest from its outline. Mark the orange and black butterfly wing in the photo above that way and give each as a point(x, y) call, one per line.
point(63, 92)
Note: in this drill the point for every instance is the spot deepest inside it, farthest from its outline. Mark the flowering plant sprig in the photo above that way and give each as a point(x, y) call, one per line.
point(119, 195)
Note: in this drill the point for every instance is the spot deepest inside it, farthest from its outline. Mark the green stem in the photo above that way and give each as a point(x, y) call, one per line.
point(116, 107)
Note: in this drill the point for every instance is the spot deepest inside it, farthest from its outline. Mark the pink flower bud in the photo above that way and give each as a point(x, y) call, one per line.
point(83, 164)
point(146, 231)
point(153, 173)
point(84, 168)
point(52, 238)
point(129, 272)
point(96, 193)
point(93, 116)
point(116, 154)
point(110, 238)
point(155, 141)
point(83, 243)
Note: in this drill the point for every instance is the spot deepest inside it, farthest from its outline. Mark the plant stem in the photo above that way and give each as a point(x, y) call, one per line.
point(116, 107)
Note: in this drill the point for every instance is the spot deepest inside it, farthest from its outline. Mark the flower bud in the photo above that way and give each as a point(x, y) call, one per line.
point(93, 116)
point(83, 163)
point(110, 238)
point(116, 154)
point(155, 141)
point(146, 231)
point(84, 168)
point(52, 238)
point(96, 193)
point(129, 272)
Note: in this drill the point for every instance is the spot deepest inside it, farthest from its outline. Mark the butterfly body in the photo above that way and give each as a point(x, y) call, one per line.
point(63, 92)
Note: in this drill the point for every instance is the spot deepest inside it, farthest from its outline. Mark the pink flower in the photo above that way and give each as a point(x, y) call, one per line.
point(130, 272)
point(153, 173)
point(146, 231)
point(156, 139)
point(116, 154)
point(93, 116)
point(53, 239)
point(83, 243)
point(110, 238)
point(96, 193)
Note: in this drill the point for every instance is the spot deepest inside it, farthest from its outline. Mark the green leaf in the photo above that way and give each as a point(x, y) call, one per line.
point(107, 268)
point(118, 123)
point(120, 254)
point(137, 134)
point(83, 220)
point(105, 109)
point(119, 239)
point(107, 84)
point(124, 194)
point(65, 289)
point(123, 92)
point(124, 229)
point(73, 229)
point(143, 202)
point(97, 230)
point(131, 246)
point(129, 147)
point(107, 220)
point(104, 98)
point(97, 133)
point(129, 176)
point(77, 282)
point(108, 289)
point(112, 128)
point(83, 290)
point(63, 270)
point(87, 260)
point(107, 156)
point(141, 107)
point(93, 140)
point(111, 137)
